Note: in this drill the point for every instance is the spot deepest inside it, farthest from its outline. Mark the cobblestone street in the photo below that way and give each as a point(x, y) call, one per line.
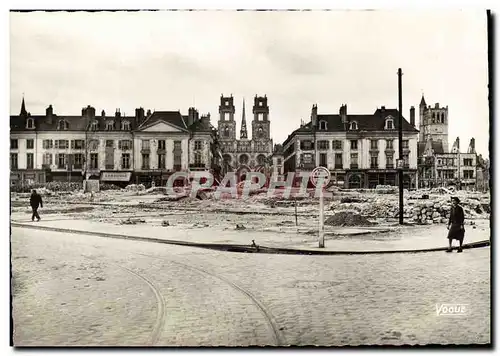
point(86, 290)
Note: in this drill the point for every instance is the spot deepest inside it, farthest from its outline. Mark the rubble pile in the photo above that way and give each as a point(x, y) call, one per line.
point(107, 186)
point(51, 186)
point(348, 218)
point(135, 187)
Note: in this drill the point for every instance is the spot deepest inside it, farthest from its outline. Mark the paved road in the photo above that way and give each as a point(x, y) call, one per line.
point(85, 290)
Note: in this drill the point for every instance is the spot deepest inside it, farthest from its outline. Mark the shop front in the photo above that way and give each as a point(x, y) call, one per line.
point(119, 178)
point(27, 177)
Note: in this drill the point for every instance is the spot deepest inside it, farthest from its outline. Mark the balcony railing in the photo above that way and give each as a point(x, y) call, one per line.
point(374, 166)
point(77, 166)
point(389, 166)
point(339, 166)
point(354, 166)
point(145, 167)
point(110, 166)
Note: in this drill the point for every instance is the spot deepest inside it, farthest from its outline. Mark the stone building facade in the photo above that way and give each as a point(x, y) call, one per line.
point(244, 154)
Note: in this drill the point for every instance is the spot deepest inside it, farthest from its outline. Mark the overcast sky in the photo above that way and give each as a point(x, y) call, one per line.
point(173, 60)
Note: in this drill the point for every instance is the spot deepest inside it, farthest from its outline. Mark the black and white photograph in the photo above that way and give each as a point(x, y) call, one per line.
point(242, 178)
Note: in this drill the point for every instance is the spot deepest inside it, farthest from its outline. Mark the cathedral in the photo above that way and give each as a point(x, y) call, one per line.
point(244, 154)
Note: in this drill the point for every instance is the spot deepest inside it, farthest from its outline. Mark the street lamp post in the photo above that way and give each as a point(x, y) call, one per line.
point(400, 144)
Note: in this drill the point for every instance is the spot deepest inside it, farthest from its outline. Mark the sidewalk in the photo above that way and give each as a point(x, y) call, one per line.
point(406, 238)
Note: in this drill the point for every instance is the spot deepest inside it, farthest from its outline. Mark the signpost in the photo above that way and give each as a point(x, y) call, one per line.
point(321, 176)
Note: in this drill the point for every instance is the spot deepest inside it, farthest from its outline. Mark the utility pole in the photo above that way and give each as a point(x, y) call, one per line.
point(400, 141)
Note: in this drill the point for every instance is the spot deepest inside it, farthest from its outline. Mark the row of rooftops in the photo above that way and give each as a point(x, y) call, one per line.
point(88, 120)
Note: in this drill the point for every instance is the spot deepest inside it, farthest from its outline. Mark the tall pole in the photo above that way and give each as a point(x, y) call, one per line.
point(400, 132)
point(321, 219)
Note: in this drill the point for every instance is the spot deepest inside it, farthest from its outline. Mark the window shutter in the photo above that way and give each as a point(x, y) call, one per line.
point(72, 144)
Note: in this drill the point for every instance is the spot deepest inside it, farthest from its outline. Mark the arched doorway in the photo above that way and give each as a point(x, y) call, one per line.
point(354, 181)
point(241, 173)
point(261, 160)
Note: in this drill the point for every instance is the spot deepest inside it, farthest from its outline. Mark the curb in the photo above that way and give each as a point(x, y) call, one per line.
point(244, 248)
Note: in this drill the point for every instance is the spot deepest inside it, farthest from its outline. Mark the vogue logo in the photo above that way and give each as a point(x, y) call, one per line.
point(451, 309)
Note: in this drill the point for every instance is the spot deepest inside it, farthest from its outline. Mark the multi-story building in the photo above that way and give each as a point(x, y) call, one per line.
point(277, 162)
point(359, 150)
point(144, 148)
point(244, 155)
point(437, 165)
point(455, 168)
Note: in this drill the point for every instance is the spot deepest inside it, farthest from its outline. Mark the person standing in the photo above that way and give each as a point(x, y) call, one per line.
point(456, 230)
point(35, 201)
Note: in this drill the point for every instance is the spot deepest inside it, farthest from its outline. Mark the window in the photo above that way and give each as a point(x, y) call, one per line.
point(30, 124)
point(389, 124)
point(161, 144)
point(47, 144)
point(374, 161)
point(145, 144)
point(337, 145)
point(198, 158)
point(227, 103)
point(374, 144)
point(78, 160)
point(468, 162)
point(125, 160)
point(260, 132)
point(94, 145)
point(279, 161)
point(198, 145)
point(62, 144)
point(145, 160)
point(29, 160)
point(323, 160)
point(353, 126)
point(109, 157)
point(338, 161)
point(226, 131)
point(125, 125)
point(94, 126)
point(13, 144)
point(77, 144)
point(323, 145)
point(177, 155)
point(307, 158)
point(110, 125)
point(389, 144)
point(354, 160)
point(354, 144)
point(468, 174)
point(124, 145)
point(243, 159)
point(62, 125)
point(306, 145)
point(406, 144)
point(161, 161)
point(406, 161)
point(389, 161)
point(61, 161)
point(30, 144)
point(13, 161)
point(94, 160)
point(109, 143)
point(322, 125)
point(47, 159)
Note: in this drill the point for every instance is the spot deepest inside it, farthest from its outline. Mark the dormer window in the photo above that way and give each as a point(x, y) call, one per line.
point(125, 125)
point(353, 125)
point(322, 125)
point(30, 124)
point(62, 125)
point(94, 126)
point(389, 123)
point(110, 125)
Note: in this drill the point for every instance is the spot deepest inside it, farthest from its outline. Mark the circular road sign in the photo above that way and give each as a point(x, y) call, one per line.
point(322, 172)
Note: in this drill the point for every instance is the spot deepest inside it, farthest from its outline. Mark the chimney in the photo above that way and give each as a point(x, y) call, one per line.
point(148, 113)
point(103, 113)
point(412, 116)
point(472, 146)
point(382, 108)
point(118, 113)
point(436, 106)
point(314, 115)
point(192, 116)
point(343, 113)
point(139, 115)
point(49, 114)
point(90, 112)
point(84, 112)
point(205, 119)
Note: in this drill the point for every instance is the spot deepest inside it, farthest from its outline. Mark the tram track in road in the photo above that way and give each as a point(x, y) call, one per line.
point(161, 304)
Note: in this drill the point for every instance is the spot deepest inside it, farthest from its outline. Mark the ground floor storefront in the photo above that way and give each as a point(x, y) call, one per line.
point(28, 176)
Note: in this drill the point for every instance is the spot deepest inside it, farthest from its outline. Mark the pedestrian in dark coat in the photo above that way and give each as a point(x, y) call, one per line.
point(35, 201)
point(456, 224)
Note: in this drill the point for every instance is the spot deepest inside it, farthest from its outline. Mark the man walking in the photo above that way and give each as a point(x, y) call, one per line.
point(456, 224)
point(35, 201)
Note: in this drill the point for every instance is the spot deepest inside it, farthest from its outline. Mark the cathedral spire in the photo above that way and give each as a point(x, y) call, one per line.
point(243, 131)
point(23, 109)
